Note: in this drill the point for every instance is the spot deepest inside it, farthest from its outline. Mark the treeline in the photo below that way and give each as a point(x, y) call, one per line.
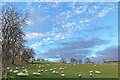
point(13, 38)
point(77, 61)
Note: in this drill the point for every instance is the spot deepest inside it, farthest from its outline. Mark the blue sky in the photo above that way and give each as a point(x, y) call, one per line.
point(72, 29)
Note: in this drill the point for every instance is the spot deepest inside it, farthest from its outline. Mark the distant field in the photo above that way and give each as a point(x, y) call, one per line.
point(109, 70)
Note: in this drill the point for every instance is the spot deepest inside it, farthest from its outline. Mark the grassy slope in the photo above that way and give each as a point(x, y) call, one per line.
point(108, 70)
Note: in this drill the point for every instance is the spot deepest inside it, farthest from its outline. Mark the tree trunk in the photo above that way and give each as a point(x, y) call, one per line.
point(13, 62)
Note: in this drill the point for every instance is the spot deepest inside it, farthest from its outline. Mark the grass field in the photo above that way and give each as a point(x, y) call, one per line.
point(109, 70)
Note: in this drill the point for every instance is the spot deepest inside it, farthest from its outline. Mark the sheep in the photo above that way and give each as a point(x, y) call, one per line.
point(46, 70)
point(39, 66)
point(16, 71)
point(39, 71)
point(10, 71)
point(62, 75)
point(22, 67)
point(56, 72)
point(17, 68)
point(8, 68)
point(48, 64)
point(98, 72)
point(62, 72)
point(53, 72)
point(51, 69)
point(54, 68)
point(60, 68)
point(90, 71)
point(65, 67)
point(36, 74)
point(24, 70)
point(80, 76)
point(22, 74)
point(90, 74)
point(94, 65)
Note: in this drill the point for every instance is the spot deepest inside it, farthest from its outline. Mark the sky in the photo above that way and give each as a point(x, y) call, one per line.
point(67, 30)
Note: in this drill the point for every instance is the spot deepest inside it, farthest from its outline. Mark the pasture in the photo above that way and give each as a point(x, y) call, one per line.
point(108, 70)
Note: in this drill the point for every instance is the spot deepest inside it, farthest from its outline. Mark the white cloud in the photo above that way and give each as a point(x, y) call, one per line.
point(34, 35)
point(57, 35)
point(62, 37)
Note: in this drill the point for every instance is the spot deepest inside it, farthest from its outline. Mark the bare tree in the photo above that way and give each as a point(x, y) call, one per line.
point(80, 61)
point(87, 60)
point(63, 60)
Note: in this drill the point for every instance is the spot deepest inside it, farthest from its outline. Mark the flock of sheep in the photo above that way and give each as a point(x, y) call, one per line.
point(52, 70)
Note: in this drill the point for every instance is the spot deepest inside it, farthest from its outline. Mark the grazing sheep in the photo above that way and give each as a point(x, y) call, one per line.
point(54, 68)
point(36, 74)
point(39, 66)
point(8, 68)
point(80, 76)
point(62, 75)
point(94, 65)
point(56, 72)
point(51, 69)
point(22, 74)
point(90, 74)
point(22, 67)
point(53, 72)
point(60, 68)
point(24, 70)
point(98, 72)
point(62, 72)
point(39, 71)
point(48, 64)
point(90, 71)
point(46, 70)
point(17, 68)
point(10, 71)
point(65, 67)
point(16, 71)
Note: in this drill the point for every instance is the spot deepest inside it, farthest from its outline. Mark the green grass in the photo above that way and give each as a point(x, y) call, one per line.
point(108, 70)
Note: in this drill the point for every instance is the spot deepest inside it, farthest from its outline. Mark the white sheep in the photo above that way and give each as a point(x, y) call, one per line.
point(46, 70)
point(10, 71)
point(8, 68)
point(51, 69)
point(62, 75)
point(22, 74)
point(98, 72)
point(54, 68)
point(16, 71)
point(53, 72)
point(17, 68)
point(94, 65)
point(90, 71)
point(80, 76)
point(36, 74)
point(62, 72)
point(56, 72)
point(60, 68)
point(41, 70)
point(90, 74)
point(22, 67)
